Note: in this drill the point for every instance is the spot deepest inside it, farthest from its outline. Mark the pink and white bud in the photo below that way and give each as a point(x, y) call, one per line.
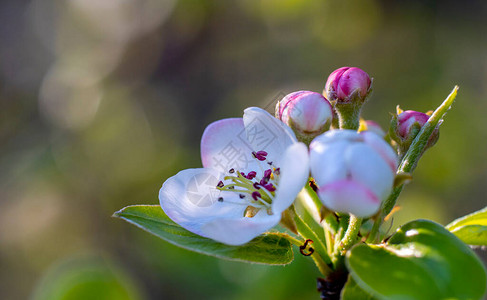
point(308, 114)
point(406, 126)
point(354, 171)
point(346, 83)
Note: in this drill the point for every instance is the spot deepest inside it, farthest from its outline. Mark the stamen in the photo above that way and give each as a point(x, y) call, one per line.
point(241, 196)
point(267, 174)
point(270, 187)
point(231, 171)
point(255, 195)
point(251, 175)
point(260, 155)
point(220, 184)
point(277, 171)
point(220, 199)
point(256, 186)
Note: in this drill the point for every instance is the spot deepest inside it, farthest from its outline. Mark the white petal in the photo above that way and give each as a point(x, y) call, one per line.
point(190, 198)
point(369, 168)
point(265, 132)
point(239, 231)
point(327, 161)
point(382, 147)
point(294, 170)
point(348, 196)
point(224, 146)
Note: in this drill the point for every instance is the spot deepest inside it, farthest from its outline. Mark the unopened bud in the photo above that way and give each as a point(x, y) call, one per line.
point(406, 125)
point(347, 84)
point(308, 114)
point(348, 88)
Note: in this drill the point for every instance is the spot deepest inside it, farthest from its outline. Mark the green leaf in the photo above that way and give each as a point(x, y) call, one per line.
point(351, 291)
point(472, 228)
point(422, 260)
point(269, 248)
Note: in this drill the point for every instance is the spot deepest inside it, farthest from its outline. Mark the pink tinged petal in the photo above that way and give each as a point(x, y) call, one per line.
point(238, 231)
point(370, 169)
point(224, 146)
point(375, 128)
point(265, 132)
point(286, 101)
point(349, 196)
point(294, 173)
point(327, 161)
point(382, 147)
point(190, 199)
point(310, 112)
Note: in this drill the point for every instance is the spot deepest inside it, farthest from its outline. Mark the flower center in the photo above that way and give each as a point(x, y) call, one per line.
point(255, 192)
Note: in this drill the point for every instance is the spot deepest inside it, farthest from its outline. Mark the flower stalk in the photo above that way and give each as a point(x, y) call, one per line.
point(411, 158)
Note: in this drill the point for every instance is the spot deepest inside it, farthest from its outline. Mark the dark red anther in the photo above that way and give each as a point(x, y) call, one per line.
point(220, 184)
point(256, 186)
point(255, 195)
point(251, 175)
point(260, 155)
point(270, 187)
point(267, 174)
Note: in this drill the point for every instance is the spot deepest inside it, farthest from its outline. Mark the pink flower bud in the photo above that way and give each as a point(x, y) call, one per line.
point(346, 83)
point(406, 126)
point(307, 113)
point(354, 171)
point(407, 120)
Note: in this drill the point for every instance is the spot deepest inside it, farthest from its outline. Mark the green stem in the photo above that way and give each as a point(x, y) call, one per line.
point(306, 232)
point(320, 263)
point(348, 115)
point(411, 158)
point(352, 233)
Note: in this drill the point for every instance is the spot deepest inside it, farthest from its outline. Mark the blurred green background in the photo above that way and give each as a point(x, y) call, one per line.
point(101, 101)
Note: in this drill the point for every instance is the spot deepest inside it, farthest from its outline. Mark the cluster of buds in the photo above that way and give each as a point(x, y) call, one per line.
point(352, 164)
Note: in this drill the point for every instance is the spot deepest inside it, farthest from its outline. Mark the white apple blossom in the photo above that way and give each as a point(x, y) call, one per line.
point(354, 171)
point(253, 169)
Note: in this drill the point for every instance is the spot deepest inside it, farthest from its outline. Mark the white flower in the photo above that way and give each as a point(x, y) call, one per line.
point(253, 170)
point(354, 171)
